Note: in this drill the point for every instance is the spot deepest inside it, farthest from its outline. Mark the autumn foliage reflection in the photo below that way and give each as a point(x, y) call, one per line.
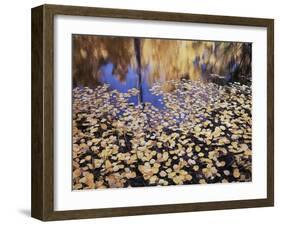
point(159, 112)
point(164, 59)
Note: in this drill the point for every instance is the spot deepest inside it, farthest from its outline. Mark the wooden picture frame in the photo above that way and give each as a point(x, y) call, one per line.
point(43, 112)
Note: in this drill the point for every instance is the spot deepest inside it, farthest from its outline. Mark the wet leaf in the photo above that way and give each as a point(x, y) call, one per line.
point(236, 173)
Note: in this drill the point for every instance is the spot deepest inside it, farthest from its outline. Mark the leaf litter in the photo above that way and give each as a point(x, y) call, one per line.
point(201, 135)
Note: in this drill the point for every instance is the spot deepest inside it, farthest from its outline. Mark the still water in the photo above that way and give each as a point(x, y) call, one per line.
point(130, 82)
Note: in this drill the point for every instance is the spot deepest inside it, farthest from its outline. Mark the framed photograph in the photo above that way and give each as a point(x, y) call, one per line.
point(141, 112)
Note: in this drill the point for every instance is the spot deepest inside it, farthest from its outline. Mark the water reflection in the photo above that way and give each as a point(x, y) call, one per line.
point(161, 60)
point(130, 82)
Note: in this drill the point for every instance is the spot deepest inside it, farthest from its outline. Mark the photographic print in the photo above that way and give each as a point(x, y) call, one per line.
point(172, 111)
point(160, 112)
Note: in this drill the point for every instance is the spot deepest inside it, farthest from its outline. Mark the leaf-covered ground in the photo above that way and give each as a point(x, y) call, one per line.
point(201, 134)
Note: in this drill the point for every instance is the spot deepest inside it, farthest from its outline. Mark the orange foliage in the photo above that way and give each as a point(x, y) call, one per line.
point(167, 59)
